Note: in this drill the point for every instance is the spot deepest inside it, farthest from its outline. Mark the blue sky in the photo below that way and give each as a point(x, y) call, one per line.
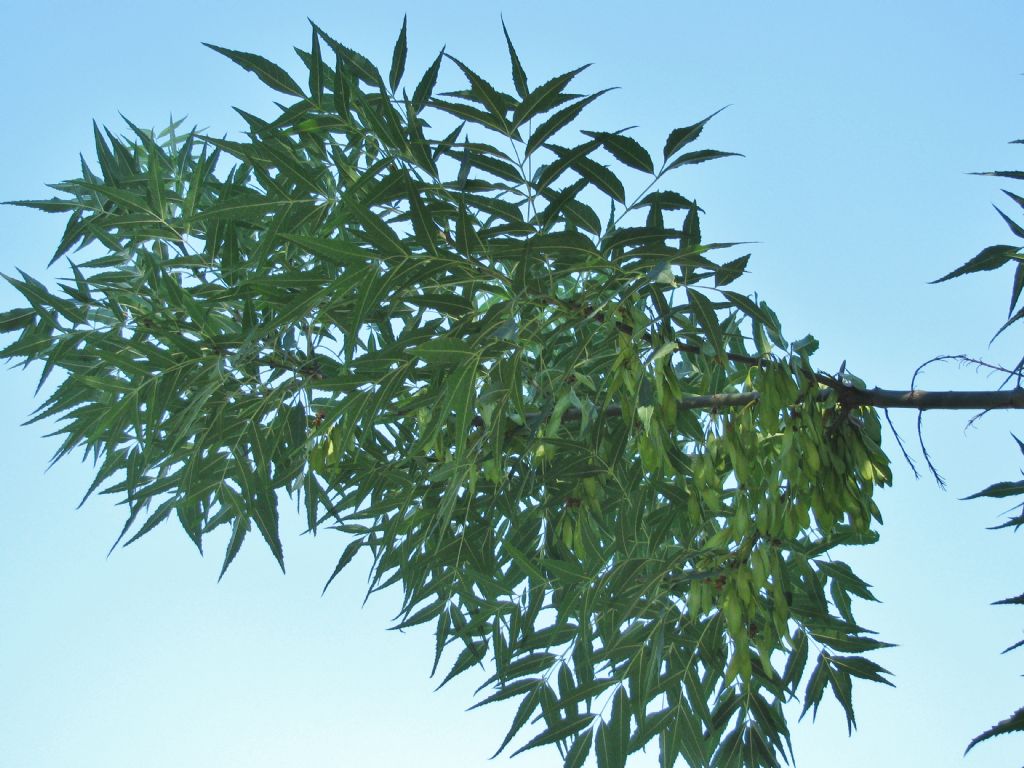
point(859, 123)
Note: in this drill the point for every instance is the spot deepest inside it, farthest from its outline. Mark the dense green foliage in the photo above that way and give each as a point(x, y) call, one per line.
point(499, 357)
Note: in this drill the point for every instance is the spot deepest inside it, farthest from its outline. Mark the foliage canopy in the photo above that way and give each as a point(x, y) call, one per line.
point(503, 362)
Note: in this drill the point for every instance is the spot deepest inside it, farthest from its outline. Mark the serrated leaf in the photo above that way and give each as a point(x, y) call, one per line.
point(815, 686)
point(1013, 724)
point(336, 250)
point(472, 654)
point(239, 527)
point(704, 314)
point(557, 121)
point(444, 351)
point(565, 729)
point(601, 177)
point(578, 752)
point(543, 98)
point(398, 56)
point(470, 114)
point(731, 271)
point(990, 258)
point(450, 304)
point(1015, 646)
point(566, 157)
point(1018, 600)
point(266, 70)
point(53, 205)
point(701, 156)
point(680, 137)
point(1017, 175)
point(999, 490)
point(518, 73)
point(346, 557)
point(612, 736)
point(425, 88)
point(1018, 286)
point(1014, 226)
point(513, 689)
point(750, 308)
point(379, 234)
point(488, 95)
point(667, 201)
point(858, 666)
point(526, 708)
point(461, 392)
point(316, 64)
point(625, 149)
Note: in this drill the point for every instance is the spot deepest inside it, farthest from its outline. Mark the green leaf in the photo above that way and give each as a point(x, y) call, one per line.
point(990, 258)
point(858, 666)
point(445, 352)
point(346, 557)
point(815, 686)
point(461, 390)
point(559, 731)
point(471, 115)
point(526, 708)
point(626, 150)
point(425, 88)
point(731, 271)
point(1015, 646)
point(544, 98)
point(450, 304)
point(1013, 724)
point(613, 736)
point(751, 309)
point(601, 177)
point(1018, 286)
point(16, 319)
point(267, 71)
point(1014, 226)
point(379, 233)
point(701, 156)
point(398, 57)
point(704, 314)
point(335, 250)
point(518, 74)
point(680, 137)
point(488, 95)
point(513, 689)
point(578, 752)
point(356, 62)
point(566, 157)
point(999, 490)
point(472, 654)
point(53, 205)
point(316, 66)
point(239, 527)
point(667, 201)
point(557, 121)
point(1018, 600)
point(1017, 175)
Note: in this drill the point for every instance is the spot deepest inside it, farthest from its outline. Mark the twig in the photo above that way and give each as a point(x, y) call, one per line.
point(899, 442)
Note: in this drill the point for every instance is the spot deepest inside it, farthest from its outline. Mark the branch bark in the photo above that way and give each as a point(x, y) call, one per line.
point(914, 399)
point(920, 400)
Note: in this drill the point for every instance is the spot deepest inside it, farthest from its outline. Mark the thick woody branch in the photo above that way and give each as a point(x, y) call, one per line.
point(920, 400)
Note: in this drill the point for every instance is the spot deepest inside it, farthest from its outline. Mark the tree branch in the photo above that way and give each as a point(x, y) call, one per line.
point(915, 399)
point(920, 400)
